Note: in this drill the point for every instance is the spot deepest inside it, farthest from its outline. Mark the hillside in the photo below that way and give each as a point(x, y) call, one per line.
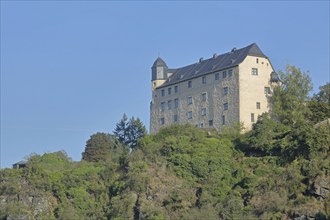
point(278, 170)
point(180, 173)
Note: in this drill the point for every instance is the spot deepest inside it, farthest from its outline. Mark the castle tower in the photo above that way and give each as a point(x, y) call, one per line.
point(159, 73)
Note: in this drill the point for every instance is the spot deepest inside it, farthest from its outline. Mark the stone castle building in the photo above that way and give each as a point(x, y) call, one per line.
point(212, 93)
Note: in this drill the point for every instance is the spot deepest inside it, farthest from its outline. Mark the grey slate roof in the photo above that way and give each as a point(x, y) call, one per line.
point(159, 62)
point(216, 63)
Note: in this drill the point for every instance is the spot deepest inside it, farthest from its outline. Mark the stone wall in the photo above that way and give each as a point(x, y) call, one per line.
point(215, 99)
point(244, 91)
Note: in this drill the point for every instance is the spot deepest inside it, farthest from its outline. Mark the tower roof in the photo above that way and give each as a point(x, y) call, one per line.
point(216, 63)
point(159, 62)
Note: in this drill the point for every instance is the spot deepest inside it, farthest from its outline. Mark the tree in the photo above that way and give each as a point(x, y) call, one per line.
point(121, 130)
point(324, 94)
point(129, 133)
point(319, 111)
point(288, 101)
point(136, 130)
point(320, 104)
point(291, 107)
point(100, 146)
point(266, 136)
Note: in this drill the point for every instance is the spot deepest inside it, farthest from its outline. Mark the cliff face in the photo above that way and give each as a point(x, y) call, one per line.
point(19, 200)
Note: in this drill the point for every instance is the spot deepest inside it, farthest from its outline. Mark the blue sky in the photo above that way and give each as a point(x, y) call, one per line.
point(71, 69)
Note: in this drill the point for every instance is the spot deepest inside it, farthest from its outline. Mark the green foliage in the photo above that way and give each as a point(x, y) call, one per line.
point(15, 211)
point(121, 130)
point(288, 101)
point(130, 132)
point(67, 212)
point(319, 111)
point(320, 105)
point(266, 137)
point(324, 94)
point(100, 147)
point(137, 175)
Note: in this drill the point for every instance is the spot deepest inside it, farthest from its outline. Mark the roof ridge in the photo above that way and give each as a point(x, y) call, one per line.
point(213, 64)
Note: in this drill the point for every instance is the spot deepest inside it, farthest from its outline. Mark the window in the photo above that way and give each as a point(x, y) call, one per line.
point(223, 119)
point(176, 89)
point(204, 80)
point(224, 74)
point(169, 104)
point(189, 100)
point(267, 90)
point(189, 84)
point(225, 106)
point(230, 73)
point(254, 71)
point(258, 105)
point(203, 111)
point(169, 91)
point(175, 118)
point(163, 92)
point(225, 90)
point(189, 115)
point(210, 123)
point(257, 60)
point(162, 106)
point(176, 103)
point(216, 76)
point(202, 125)
point(162, 121)
point(204, 97)
point(252, 117)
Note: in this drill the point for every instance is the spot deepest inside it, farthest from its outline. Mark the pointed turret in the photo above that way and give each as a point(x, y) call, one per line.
point(159, 73)
point(159, 70)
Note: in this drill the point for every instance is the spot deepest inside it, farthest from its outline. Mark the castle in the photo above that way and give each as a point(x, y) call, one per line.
point(212, 93)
